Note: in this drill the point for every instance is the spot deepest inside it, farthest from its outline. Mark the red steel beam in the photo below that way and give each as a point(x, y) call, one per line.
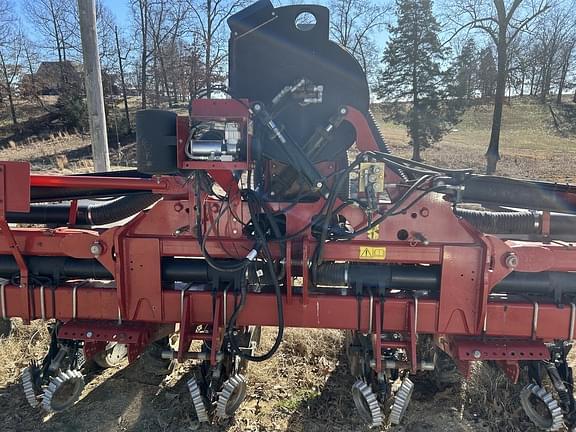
point(515, 320)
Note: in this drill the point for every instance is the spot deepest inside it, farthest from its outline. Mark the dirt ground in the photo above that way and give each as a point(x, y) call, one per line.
point(306, 386)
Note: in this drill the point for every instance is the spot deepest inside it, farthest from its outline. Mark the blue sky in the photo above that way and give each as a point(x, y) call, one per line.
point(120, 9)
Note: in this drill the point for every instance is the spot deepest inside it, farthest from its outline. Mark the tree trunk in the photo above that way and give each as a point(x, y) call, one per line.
point(123, 81)
point(493, 152)
point(156, 83)
point(12, 109)
point(144, 57)
point(8, 88)
point(208, 57)
point(561, 82)
point(164, 77)
point(416, 151)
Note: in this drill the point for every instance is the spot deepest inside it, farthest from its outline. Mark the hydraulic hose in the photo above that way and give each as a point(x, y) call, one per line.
point(522, 222)
point(87, 214)
point(501, 222)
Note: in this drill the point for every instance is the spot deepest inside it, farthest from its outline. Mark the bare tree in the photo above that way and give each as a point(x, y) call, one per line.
point(353, 24)
point(141, 9)
point(11, 42)
point(10, 65)
point(502, 21)
point(28, 85)
point(211, 16)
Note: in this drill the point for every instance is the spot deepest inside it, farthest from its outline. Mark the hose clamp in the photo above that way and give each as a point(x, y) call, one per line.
point(535, 320)
point(225, 307)
point(3, 283)
point(371, 314)
point(416, 317)
point(572, 320)
point(42, 303)
point(75, 301)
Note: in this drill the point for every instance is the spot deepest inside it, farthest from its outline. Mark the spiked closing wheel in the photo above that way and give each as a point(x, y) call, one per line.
point(198, 401)
point(231, 397)
point(31, 390)
point(401, 401)
point(63, 391)
point(541, 408)
point(367, 404)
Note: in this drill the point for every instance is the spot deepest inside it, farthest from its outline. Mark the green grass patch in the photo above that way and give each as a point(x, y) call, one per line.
point(301, 396)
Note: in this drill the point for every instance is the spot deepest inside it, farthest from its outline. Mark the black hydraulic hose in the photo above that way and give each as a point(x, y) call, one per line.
point(490, 222)
point(87, 214)
point(520, 193)
point(121, 208)
point(46, 194)
point(523, 222)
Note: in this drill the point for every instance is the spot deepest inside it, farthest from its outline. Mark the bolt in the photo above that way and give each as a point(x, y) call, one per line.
point(477, 354)
point(89, 334)
point(178, 207)
point(343, 111)
point(96, 249)
point(319, 185)
point(257, 107)
point(234, 231)
point(511, 261)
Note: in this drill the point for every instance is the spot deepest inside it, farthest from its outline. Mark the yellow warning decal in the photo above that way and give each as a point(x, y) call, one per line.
point(374, 233)
point(372, 253)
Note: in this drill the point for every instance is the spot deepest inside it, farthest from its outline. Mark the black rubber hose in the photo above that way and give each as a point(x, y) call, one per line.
point(490, 222)
point(46, 194)
point(562, 226)
point(519, 193)
point(87, 214)
point(121, 208)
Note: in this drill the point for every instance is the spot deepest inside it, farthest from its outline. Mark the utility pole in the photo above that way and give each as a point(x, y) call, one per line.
point(93, 79)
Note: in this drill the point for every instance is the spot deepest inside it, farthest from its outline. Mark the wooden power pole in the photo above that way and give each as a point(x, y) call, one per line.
point(94, 90)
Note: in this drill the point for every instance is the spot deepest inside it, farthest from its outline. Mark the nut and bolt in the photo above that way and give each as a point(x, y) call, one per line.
point(319, 185)
point(477, 354)
point(96, 249)
point(511, 261)
point(89, 334)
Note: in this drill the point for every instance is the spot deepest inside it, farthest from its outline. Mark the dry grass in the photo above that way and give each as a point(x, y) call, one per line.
point(530, 146)
point(490, 396)
point(25, 343)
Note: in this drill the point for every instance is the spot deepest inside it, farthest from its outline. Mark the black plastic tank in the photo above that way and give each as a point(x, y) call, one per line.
point(271, 48)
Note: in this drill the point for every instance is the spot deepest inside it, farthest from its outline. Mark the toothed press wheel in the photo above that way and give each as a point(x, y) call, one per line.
point(401, 401)
point(63, 391)
point(535, 401)
point(197, 401)
point(30, 389)
point(367, 404)
point(231, 397)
